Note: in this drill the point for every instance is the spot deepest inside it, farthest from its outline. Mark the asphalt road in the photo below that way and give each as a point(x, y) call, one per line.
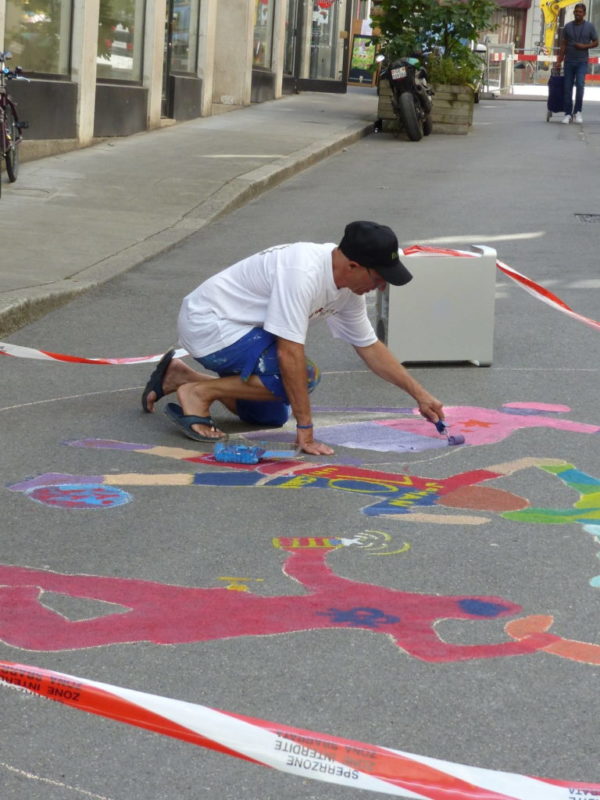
point(517, 184)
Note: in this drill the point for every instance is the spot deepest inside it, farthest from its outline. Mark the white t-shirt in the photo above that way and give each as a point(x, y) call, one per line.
point(282, 289)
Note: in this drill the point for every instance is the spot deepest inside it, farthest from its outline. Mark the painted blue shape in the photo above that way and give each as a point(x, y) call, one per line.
point(481, 608)
point(359, 617)
point(388, 507)
point(226, 478)
point(381, 438)
point(575, 477)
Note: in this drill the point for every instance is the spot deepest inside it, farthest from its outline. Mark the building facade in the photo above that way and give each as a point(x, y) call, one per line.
point(115, 67)
point(101, 68)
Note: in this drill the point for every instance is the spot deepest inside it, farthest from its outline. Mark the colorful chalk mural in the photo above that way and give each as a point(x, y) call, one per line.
point(413, 497)
point(405, 497)
point(146, 611)
point(167, 614)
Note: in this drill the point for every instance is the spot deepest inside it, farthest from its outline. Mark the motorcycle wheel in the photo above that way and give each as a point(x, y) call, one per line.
point(427, 125)
point(410, 120)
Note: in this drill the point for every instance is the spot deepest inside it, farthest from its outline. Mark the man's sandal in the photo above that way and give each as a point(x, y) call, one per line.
point(185, 421)
point(155, 384)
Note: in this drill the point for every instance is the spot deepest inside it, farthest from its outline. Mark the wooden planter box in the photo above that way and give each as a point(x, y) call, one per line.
point(452, 108)
point(385, 112)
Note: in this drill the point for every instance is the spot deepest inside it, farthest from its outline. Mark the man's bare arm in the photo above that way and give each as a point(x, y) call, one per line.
point(385, 365)
point(292, 363)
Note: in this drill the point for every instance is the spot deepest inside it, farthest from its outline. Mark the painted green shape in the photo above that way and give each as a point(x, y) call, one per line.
point(585, 509)
point(554, 516)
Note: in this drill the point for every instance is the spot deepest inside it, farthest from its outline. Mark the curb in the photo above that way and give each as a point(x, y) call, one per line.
point(20, 308)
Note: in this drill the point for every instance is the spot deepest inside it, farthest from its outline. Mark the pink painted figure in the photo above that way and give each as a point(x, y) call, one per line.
point(487, 426)
point(167, 614)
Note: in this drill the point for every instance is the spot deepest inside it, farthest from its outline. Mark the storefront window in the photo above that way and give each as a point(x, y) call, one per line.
point(291, 37)
point(39, 35)
point(263, 33)
point(120, 40)
point(326, 47)
point(184, 35)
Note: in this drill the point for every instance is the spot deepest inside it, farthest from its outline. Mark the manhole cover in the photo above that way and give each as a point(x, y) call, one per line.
point(588, 217)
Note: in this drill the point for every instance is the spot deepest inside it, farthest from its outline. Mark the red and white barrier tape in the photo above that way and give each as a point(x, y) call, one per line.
point(522, 280)
point(45, 355)
point(293, 750)
point(542, 57)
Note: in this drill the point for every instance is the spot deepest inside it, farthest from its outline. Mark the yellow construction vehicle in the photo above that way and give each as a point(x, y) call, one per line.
point(551, 10)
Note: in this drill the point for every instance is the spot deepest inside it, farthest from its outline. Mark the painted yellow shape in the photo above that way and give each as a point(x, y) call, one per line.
point(178, 453)
point(405, 548)
point(442, 519)
point(160, 479)
point(297, 482)
point(305, 542)
point(239, 584)
point(510, 467)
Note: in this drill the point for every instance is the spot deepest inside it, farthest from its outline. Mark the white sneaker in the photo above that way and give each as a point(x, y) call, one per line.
point(578, 118)
point(566, 119)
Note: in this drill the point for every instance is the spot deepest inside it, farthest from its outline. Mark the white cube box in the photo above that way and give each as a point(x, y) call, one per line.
point(446, 313)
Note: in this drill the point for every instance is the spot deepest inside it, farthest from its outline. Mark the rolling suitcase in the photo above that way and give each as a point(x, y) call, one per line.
point(556, 94)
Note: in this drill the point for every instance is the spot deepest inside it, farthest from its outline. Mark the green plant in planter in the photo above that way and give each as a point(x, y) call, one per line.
point(466, 71)
point(445, 29)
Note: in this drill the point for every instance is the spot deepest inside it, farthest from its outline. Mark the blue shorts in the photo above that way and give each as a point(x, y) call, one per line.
point(256, 354)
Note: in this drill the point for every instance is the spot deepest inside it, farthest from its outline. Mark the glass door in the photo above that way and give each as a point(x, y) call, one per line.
point(317, 44)
point(291, 38)
point(167, 99)
point(327, 49)
point(181, 46)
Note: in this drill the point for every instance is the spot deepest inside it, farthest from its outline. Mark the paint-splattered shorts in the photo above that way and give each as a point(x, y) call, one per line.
point(256, 354)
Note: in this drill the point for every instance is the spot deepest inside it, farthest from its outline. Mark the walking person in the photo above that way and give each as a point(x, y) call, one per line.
point(249, 323)
point(578, 38)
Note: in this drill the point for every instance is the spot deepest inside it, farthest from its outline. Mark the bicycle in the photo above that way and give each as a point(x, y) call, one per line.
point(10, 124)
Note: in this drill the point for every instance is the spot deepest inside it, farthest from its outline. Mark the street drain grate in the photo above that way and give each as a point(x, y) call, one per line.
point(588, 217)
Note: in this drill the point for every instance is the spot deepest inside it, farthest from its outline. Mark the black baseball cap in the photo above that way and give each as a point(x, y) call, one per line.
point(376, 247)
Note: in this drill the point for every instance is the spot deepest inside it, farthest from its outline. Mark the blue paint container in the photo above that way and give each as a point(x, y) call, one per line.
point(232, 453)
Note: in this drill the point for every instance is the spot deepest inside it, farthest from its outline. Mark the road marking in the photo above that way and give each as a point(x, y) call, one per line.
point(40, 779)
point(243, 155)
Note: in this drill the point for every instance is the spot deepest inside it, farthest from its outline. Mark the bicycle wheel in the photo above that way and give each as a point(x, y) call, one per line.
point(11, 155)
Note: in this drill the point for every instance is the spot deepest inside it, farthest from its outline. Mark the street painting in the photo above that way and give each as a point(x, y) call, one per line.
point(165, 614)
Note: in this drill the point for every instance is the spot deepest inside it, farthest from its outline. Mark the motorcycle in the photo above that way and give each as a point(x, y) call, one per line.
point(411, 95)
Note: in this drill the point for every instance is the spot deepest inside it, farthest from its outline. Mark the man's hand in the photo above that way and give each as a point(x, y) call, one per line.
point(430, 407)
point(305, 441)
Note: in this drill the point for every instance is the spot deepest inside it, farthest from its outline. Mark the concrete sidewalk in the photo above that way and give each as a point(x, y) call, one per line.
point(75, 220)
